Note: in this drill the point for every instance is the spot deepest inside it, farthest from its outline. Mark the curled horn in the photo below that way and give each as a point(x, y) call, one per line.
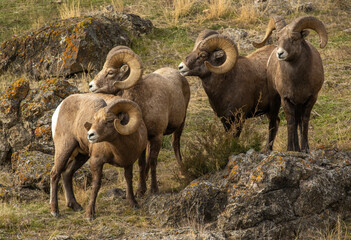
point(313, 23)
point(276, 22)
point(220, 42)
point(124, 55)
point(203, 35)
point(133, 111)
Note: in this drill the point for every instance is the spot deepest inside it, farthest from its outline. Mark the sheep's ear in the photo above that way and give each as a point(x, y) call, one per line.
point(87, 125)
point(218, 54)
point(304, 33)
point(99, 103)
point(124, 68)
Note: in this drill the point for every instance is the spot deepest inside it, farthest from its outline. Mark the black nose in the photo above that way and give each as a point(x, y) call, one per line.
point(91, 135)
point(280, 54)
point(180, 67)
point(90, 85)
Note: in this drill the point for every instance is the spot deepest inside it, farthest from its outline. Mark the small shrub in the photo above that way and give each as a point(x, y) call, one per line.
point(208, 149)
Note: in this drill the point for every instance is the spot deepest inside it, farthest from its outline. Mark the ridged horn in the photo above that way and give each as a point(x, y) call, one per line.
point(133, 111)
point(124, 55)
point(203, 35)
point(228, 46)
point(309, 22)
point(275, 22)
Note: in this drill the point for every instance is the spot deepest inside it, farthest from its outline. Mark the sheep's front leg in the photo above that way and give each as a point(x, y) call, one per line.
point(96, 170)
point(234, 123)
point(289, 109)
point(306, 114)
point(274, 121)
point(128, 174)
point(142, 174)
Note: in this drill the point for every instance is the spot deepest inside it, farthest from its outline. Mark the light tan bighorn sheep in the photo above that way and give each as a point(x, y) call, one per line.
point(105, 128)
point(295, 73)
point(163, 97)
point(236, 86)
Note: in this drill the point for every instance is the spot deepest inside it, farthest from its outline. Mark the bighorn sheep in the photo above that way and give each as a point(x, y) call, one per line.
point(236, 86)
point(295, 72)
point(106, 128)
point(163, 97)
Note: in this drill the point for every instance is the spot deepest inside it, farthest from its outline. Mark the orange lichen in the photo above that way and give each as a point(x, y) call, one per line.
point(42, 130)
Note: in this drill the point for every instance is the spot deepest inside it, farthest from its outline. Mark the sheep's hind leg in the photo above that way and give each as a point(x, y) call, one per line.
point(72, 166)
point(176, 147)
point(155, 146)
point(61, 158)
point(142, 175)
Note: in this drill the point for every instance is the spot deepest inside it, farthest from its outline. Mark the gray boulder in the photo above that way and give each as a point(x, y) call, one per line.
point(265, 196)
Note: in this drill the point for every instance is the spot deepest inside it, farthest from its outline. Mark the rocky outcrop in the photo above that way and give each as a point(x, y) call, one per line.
point(70, 46)
point(26, 113)
point(265, 196)
point(26, 146)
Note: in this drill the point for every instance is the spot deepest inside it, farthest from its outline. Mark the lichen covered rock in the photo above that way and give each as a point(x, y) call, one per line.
point(70, 46)
point(265, 196)
point(26, 123)
point(10, 100)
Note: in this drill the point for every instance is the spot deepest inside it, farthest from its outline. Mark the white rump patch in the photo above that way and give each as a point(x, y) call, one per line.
point(54, 120)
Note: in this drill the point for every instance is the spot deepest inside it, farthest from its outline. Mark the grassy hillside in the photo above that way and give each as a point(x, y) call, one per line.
point(176, 27)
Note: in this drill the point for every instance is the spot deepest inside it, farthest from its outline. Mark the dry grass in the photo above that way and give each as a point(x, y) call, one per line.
point(181, 8)
point(70, 9)
point(218, 9)
point(247, 14)
point(118, 5)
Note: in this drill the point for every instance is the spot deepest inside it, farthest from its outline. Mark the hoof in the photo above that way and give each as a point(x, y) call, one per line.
point(135, 207)
point(75, 207)
point(55, 214)
point(140, 193)
point(154, 191)
point(89, 218)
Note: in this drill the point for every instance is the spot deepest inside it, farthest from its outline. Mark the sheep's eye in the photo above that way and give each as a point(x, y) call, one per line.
point(110, 72)
point(109, 120)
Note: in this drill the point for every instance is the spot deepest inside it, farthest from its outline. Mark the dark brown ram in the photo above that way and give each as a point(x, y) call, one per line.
point(295, 73)
point(236, 86)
